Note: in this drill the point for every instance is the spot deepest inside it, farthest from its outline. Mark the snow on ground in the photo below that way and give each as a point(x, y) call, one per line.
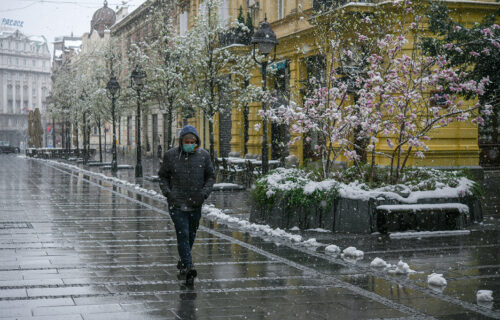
point(217, 214)
point(226, 184)
point(484, 295)
point(311, 242)
point(295, 229)
point(317, 230)
point(401, 268)
point(436, 279)
point(379, 263)
point(352, 252)
point(332, 249)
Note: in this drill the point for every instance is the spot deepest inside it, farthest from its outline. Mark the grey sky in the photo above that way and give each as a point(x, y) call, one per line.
point(53, 18)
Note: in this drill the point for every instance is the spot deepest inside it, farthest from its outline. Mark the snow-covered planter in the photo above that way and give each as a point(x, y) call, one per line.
point(290, 197)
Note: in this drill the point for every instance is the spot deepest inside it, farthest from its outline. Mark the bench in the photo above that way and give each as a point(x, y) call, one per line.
point(421, 217)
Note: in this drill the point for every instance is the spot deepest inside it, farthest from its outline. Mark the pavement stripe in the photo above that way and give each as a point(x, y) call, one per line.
point(151, 265)
point(129, 283)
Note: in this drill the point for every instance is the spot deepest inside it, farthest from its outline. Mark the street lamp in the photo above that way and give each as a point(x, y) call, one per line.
point(265, 40)
point(136, 82)
point(113, 88)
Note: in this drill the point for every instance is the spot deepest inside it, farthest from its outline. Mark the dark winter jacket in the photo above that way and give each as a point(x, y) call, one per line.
point(186, 179)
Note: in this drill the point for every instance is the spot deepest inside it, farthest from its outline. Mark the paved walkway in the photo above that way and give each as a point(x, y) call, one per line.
point(75, 247)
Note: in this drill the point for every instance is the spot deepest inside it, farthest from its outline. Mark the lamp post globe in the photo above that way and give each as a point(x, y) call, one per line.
point(265, 40)
point(136, 82)
point(114, 89)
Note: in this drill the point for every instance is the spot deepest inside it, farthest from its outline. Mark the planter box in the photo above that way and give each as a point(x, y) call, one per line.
point(361, 216)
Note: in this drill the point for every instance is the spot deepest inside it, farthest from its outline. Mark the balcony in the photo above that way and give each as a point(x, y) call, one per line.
point(234, 36)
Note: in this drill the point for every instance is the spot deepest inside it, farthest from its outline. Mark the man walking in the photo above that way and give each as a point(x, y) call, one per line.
point(186, 180)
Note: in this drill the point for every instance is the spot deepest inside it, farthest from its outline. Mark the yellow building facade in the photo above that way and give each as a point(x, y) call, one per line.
point(455, 145)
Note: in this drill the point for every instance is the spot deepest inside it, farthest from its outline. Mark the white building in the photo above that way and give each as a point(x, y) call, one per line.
point(24, 82)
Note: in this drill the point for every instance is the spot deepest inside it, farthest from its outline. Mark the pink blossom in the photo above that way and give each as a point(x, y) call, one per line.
point(486, 51)
point(487, 32)
point(390, 144)
point(474, 53)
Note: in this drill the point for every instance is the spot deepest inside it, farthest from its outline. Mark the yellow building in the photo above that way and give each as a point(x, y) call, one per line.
point(455, 145)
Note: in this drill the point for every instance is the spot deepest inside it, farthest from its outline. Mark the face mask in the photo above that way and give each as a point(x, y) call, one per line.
point(188, 147)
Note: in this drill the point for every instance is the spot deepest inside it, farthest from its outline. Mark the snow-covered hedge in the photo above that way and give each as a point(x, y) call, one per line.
point(302, 188)
point(296, 185)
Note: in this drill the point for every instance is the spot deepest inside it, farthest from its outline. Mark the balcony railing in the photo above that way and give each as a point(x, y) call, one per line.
point(325, 5)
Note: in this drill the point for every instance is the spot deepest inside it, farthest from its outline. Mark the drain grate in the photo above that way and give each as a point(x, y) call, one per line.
point(15, 225)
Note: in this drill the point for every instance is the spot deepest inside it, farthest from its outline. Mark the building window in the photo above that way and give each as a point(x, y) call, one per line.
point(281, 9)
point(183, 23)
point(34, 62)
point(224, 12)
point(43, 64)
point(17, 61)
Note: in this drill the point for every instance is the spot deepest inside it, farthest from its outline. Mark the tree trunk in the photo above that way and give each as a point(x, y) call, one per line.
point(211, 135)
point(169, 127)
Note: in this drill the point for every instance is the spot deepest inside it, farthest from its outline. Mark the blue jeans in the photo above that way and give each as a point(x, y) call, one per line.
point(186, 224)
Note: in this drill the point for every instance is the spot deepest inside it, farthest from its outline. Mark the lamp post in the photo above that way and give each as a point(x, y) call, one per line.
point(136, 82)
point(83, 98)
point(265, 40)
point(113, 88)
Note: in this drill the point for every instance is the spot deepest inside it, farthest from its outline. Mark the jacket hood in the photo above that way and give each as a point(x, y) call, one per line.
point(189, 129)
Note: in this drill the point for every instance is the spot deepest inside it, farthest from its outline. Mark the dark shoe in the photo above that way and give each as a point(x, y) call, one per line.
point(182, 274)
point(190, 275)
point(180, 265)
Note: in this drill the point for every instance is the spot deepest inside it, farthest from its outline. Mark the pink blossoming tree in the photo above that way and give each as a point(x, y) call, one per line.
point(396, 93)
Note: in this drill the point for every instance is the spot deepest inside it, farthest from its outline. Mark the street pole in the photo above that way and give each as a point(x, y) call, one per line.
point(265, 40)
point(265, 152)
point(85, 154)
point(114, 163)
point(100, 134)
point(138, 166)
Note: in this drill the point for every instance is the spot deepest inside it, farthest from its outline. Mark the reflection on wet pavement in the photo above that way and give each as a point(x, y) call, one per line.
point(74, 247)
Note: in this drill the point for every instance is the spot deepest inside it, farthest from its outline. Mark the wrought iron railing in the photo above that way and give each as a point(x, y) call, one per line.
point(325, 5)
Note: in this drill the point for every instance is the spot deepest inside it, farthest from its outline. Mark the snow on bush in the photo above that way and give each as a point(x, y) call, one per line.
point(436, 279)
point(300, 188)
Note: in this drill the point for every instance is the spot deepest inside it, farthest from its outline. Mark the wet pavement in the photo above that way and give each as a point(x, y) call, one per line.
point(73, 246)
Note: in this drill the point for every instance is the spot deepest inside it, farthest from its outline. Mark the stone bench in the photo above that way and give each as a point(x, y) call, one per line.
point(421, 217)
